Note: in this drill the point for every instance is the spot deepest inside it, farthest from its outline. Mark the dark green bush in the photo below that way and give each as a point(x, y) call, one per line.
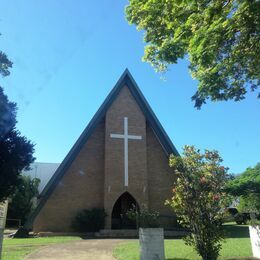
point(89, 220)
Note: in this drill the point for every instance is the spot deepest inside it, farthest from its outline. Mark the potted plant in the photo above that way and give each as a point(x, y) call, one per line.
point(151, 236)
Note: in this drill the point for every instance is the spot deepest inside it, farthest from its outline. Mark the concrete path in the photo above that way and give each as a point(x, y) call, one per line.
point(89, 249)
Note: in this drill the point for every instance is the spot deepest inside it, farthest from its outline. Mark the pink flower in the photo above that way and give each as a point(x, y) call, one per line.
point(216, 197)
point(202, 179)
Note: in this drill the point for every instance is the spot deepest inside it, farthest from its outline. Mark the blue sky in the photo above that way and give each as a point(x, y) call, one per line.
point(69, 54)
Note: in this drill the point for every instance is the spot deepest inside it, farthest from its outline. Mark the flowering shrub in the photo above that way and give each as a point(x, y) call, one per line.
point(143, 217)
point(198, 198)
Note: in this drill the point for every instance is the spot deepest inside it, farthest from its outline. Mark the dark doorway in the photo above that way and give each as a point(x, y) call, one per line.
point(122, 205)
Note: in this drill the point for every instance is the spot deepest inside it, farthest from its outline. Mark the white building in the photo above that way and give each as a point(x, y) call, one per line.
point(42, 171)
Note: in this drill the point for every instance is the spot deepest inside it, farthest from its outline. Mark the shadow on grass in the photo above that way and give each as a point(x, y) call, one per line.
point(236, 231)
point(177, 258)
point(242, 258)
point(234, 258)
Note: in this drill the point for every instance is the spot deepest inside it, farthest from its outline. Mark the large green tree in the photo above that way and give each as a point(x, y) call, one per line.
point(198, 198)
point(247, 187)
point(16, 151)
point(5, 64)
point(23, 199)
point(220, 38)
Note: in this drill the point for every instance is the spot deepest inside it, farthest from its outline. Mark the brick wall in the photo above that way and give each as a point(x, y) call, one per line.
point(124, 106)
point(80, 188)
point(96, 176)
point(160, 179)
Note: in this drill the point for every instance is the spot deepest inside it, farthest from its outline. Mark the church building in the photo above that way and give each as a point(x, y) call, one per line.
point(120, 159)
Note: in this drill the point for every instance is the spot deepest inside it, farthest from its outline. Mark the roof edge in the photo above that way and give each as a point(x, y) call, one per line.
point(125, 79)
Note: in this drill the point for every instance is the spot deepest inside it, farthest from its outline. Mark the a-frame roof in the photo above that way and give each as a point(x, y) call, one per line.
point(125, 80)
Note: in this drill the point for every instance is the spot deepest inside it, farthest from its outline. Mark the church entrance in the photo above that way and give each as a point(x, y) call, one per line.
point(119, 219)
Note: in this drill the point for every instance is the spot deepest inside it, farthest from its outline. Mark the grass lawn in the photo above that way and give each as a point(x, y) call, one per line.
point(17, 248)
point(236, 246)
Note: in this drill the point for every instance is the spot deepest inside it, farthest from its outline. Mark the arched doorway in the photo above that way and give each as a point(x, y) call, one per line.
point(119, 219)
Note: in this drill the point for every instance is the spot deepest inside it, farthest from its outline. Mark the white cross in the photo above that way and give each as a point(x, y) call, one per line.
point(126, 137)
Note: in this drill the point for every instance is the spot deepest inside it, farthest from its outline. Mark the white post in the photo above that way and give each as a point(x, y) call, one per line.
point(151, 242)
point(254, 232)
point(3, 213)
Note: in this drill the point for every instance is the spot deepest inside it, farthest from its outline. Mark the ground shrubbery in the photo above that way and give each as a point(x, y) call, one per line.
point(89, 220)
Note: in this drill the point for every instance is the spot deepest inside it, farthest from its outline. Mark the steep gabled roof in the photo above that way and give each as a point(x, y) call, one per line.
point(125, 80)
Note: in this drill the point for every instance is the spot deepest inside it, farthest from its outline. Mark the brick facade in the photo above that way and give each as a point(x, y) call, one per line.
point(96, 176)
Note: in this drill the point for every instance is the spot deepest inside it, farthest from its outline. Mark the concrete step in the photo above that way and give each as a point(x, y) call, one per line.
point(116, 233)
point(133, 233)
